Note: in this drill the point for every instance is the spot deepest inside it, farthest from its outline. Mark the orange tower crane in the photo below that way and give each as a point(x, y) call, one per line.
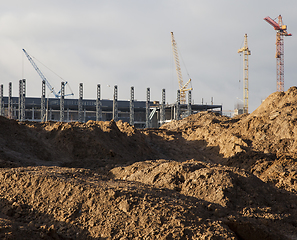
point(246, 52)
point(182, 87)
point(281, 31)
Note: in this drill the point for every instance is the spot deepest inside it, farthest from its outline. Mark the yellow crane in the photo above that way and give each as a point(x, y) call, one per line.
point(182, 87)
point(246, 52)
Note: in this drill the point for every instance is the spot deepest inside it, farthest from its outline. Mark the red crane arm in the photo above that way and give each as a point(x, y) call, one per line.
point(273, 23)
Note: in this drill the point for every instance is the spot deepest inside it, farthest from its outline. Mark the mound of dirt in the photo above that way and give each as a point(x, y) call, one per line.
point(232, 195)
point(204, 177)
point(91, 144)
point(264, 142)
point(272, 128)
point(68, 203)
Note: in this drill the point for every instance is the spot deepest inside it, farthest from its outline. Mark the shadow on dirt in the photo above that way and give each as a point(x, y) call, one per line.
point(20, 221)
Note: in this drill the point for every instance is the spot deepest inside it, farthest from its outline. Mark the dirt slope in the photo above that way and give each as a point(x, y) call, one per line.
point(264, 142)
point(204, 177)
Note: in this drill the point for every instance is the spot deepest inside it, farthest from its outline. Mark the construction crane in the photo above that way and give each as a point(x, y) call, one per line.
point(246, 52)
point(182, 87)
point(281, 31)
point(56, 94)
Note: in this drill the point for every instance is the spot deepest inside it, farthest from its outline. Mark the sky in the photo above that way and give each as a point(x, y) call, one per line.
point(128, 43)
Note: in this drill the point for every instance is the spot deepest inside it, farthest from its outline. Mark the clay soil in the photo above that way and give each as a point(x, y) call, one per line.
point(204, 177)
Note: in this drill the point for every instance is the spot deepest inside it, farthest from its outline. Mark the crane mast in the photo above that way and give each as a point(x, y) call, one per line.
point(182, 87)
point(246, 52)
point(281, 32)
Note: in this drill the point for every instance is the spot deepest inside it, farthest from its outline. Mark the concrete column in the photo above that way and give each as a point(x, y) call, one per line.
point(80, 103)
point(189, 103)
point(68, 119)
point(85, 115)
point(115, 116)
point(23, 100)
point(147, 112)
point(1, 101)
point(62, 105)
point(162, 109)
point(132, 106)
point(98, 104)
point(177, 111)
point(14, 111)
point(20, 99)
point(33, 113)
point(42, 105)
point(9, 107)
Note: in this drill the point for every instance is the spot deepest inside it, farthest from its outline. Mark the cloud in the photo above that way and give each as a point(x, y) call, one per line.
point(128, 43)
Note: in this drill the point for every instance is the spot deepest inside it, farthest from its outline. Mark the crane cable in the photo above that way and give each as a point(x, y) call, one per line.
point(184, 65)
point(51, 71)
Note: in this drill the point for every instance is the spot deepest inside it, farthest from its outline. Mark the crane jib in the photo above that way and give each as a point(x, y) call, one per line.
point(52, 90)
point(273, 23)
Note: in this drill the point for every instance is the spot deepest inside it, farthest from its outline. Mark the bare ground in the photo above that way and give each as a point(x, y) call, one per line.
point(204, 177)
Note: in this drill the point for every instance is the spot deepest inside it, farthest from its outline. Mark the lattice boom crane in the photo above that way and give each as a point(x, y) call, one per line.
point(246, 52)
point(281, 31)
point(57, 94)
point(182, 87)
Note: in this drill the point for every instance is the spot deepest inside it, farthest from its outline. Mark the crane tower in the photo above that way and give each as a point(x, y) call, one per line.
point(281, 31)
point(182, 87)
point(246, 52)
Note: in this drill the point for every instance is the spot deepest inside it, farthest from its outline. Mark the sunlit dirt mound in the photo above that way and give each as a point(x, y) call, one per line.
point(204, 177)
point(272, 128)
point(150, 200)
point(264, 142)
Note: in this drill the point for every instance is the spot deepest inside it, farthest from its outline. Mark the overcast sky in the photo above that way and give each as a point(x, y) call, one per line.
point(128, 43)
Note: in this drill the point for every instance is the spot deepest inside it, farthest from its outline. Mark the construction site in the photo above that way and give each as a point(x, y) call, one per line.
point(141, 114)
point(118, 169)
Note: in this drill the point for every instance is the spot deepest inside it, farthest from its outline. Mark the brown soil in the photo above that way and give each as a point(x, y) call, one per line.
point(204, 177)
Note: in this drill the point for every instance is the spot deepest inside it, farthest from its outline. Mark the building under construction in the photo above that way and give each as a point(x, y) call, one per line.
point(141, 114)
